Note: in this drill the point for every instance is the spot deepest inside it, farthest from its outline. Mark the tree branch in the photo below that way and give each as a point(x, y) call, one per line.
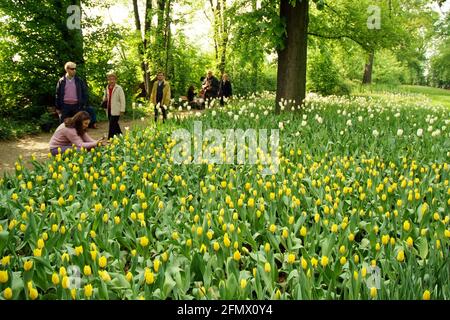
point(337, 38)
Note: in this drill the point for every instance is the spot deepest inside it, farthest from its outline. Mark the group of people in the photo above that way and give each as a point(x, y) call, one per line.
point(71, 101)
point(212, 88)
point(76, 116)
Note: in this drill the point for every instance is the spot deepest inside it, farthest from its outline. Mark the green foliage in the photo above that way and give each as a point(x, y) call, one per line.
point(440, 62)
point(99, 54)
point(323, 76)
point(34, 47)
point(388, 70)
point(405, 28)
point(245, 81)
point(257, 32)
point(12, 129)
point(189, 64)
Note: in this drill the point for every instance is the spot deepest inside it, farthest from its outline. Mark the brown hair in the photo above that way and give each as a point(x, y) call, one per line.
point(77, 122)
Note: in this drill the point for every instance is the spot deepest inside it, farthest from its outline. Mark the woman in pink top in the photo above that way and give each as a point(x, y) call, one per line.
point(73, 132)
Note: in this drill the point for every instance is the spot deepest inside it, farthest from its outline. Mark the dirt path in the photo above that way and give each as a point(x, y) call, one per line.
point(38, 144)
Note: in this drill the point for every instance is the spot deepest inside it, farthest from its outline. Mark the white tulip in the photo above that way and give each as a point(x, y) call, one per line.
point(419, 132)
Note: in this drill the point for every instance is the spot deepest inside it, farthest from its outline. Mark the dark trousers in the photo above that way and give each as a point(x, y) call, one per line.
point(164, 112)
point(114, 127)
point(68, 111)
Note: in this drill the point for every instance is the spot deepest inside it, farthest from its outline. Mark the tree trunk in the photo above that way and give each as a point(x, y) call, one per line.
point(255, 60)
point(215, 24)
point(255, 76)
point(147, 27)
point(143, 44)
point(223, 37)
point(137, 19)
point(167, 38)
point(158, 50)
point(367, 77)
point(220, 37)
point(291, 74)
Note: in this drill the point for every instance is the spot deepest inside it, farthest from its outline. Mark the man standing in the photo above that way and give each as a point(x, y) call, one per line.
point(71, 93)
point(161, 95)
point(211, 86)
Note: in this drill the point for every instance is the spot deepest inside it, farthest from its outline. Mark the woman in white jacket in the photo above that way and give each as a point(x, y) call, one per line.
point(114, 98)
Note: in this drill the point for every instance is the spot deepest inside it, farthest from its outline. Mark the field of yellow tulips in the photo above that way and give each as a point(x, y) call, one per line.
point(359, 208)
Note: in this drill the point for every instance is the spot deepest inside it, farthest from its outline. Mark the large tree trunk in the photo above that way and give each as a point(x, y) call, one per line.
point(158, 50)
point(215, 24)
point(255, 60)
point(137, 19)
point(291, 74)
point(167, 38)
point(223, 36)
point(147, 27)
point(368, 68)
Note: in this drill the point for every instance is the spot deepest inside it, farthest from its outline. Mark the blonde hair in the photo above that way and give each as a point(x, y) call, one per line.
point(111, 74)
point(70, 64)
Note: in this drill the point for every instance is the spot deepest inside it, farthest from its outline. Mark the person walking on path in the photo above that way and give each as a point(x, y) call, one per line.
point(160, 96)
point(72, 132)
point(71, 93)
point(114, 98)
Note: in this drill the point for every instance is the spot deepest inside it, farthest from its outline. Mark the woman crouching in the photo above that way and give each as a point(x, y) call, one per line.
point(72, 132)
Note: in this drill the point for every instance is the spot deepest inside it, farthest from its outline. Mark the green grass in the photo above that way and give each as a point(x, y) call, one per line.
point(435, 96)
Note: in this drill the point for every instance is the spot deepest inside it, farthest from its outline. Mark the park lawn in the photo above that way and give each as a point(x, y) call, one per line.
point(438, 96)
point(430, 95)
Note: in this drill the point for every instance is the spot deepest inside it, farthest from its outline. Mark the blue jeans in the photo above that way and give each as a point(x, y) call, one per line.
point(54, 151)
